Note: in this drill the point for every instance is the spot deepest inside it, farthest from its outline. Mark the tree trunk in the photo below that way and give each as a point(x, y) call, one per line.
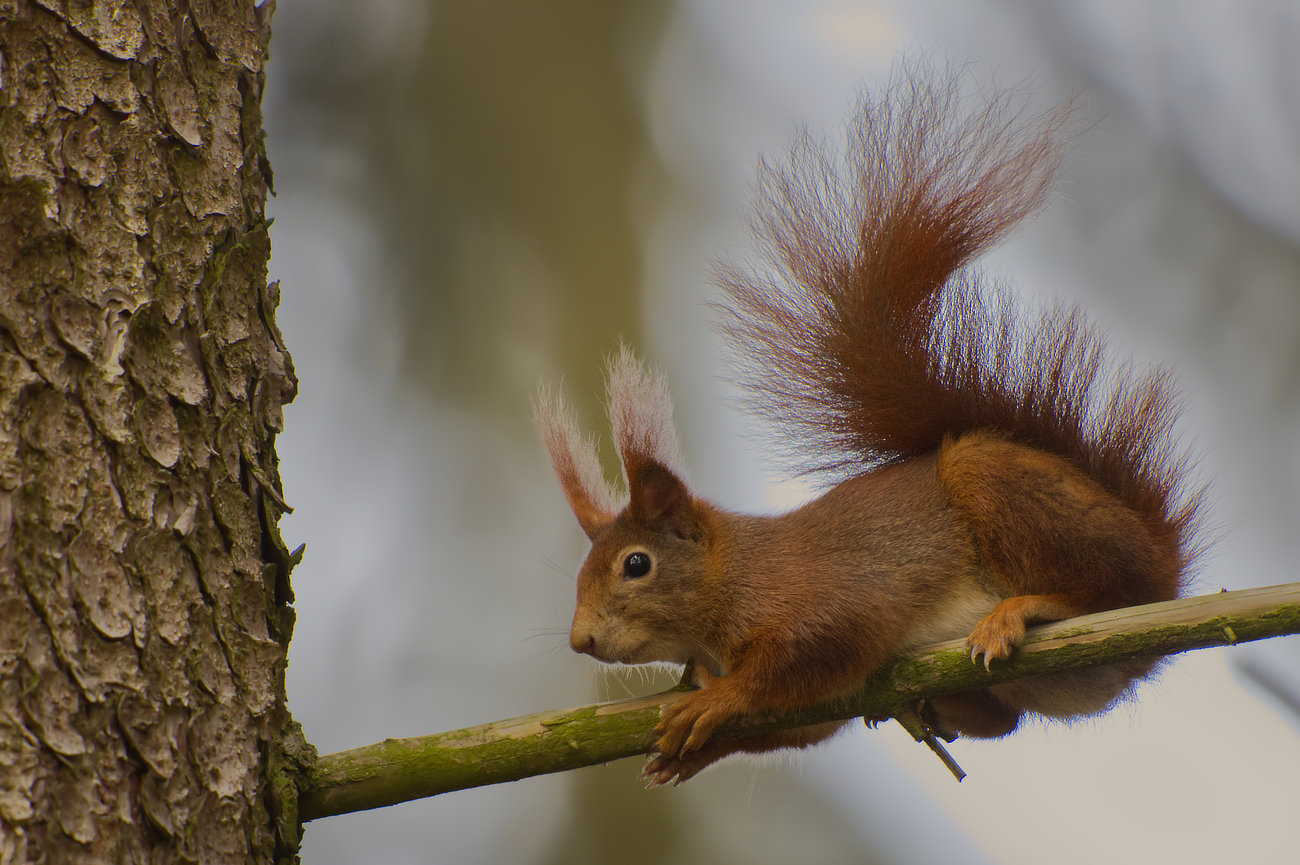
point(144, 593)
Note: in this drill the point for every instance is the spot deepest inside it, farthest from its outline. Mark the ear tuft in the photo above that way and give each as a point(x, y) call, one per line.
point(641, 415)
point(575, 462)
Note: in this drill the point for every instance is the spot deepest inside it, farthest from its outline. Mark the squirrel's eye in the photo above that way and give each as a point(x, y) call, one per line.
point(636, 565)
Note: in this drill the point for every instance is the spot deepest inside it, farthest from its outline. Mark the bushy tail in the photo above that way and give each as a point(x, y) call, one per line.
point(869, 340)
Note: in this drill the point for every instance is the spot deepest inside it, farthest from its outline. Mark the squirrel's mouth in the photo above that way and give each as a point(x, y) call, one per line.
point(635, 655)
point(647, 651)
point(635, 646)
point(608, 651)
point(653, 651)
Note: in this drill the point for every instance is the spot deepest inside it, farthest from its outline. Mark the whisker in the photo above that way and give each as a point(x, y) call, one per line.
point(569, 575)
point(542, 633)
point(708, 653)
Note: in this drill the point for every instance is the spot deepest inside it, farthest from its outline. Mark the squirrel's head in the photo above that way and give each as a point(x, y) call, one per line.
point(647, 556)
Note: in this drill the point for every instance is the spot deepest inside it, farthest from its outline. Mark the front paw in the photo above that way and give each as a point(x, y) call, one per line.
point(995, 637)
point(687, 724)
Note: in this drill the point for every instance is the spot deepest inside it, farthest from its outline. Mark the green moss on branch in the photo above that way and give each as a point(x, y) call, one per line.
point(398, 770)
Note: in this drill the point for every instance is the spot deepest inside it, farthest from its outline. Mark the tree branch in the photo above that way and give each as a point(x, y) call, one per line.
point(398, 770)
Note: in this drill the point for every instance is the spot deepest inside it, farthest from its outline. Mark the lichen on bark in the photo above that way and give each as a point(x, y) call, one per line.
point(144, 593)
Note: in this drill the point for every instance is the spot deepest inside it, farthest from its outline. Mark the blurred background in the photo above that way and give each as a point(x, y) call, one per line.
point(476, 195)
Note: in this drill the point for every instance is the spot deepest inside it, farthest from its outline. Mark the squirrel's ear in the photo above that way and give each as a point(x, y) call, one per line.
point(641, 415)
point(659, 497)
point(575, 462)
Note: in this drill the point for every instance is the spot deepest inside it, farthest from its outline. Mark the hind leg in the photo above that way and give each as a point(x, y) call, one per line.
point(971, 713)
point(1060, 543)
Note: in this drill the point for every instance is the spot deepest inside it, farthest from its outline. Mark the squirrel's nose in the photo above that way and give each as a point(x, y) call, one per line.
point(582, 643)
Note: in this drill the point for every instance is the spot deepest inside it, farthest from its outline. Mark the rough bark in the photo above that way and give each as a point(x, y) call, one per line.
point(144, 594)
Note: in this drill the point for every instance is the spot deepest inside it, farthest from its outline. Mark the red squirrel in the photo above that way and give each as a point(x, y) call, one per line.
point(986, 476)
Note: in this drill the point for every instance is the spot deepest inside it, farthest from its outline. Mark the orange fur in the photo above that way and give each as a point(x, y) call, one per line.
point(984, 483)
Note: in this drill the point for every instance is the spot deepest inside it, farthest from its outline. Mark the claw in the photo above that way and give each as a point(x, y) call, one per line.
point(661, 770)
point(668, 738)
point(989, 653)
point(655, 771)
